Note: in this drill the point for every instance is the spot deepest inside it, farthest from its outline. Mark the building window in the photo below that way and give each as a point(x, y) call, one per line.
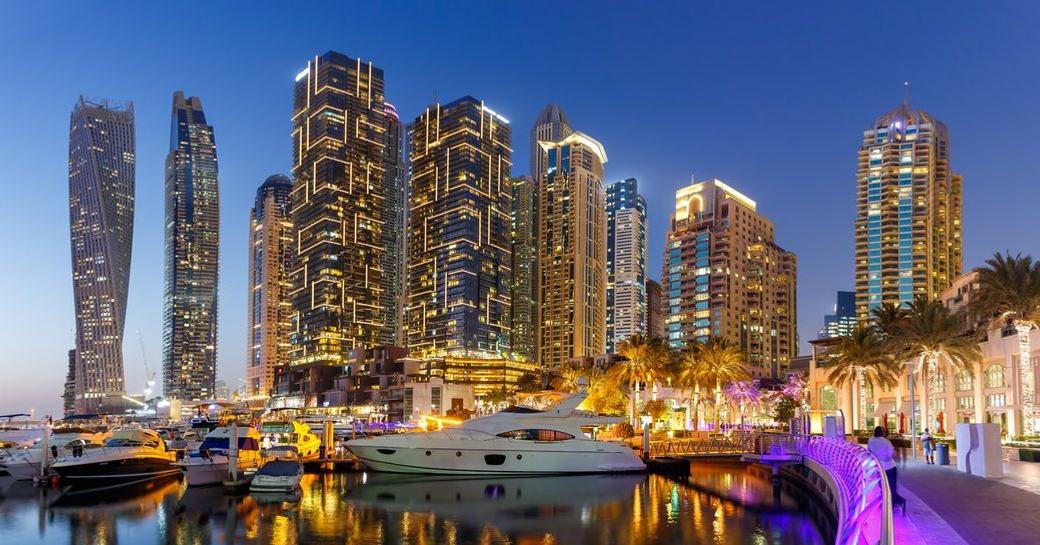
point(995, 376)
point(965, 382)
point(995, 400)
point(828, 398)
point(967, 402)
point(940, 381)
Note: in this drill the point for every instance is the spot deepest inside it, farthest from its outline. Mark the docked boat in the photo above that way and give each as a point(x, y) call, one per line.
point(210, 462)
point(290, 433)
point(281, 475)
point(24, 463)
point(18, 431)
point(517, 440)
point(129, 454)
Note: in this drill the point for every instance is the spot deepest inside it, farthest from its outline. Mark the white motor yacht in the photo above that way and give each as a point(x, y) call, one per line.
point(518, 440)
point(209, 463)
point(129, 454)
point(18, 432)
point(280, 475)
point(290, 433)
point(24, 463)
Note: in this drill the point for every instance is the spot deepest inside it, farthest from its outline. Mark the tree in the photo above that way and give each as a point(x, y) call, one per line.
point(784, 409)
point(528, 382)
point(1009, 292)
point(888, 319)
point(936, 339)
point(743, 393)
point(656, 409)
point(644, 362)
point(862, 358)
point(713, 363)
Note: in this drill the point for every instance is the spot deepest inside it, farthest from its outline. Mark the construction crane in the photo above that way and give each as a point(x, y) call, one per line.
point(149, 374)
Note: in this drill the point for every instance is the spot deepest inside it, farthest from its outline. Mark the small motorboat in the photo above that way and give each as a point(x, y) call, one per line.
point(128, 455)
point(280, 475)
point(210, 462)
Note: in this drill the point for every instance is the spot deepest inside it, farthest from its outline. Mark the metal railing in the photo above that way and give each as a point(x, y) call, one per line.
point(714, 445)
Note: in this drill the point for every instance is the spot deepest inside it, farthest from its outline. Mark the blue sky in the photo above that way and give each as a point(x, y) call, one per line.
point(770, 97)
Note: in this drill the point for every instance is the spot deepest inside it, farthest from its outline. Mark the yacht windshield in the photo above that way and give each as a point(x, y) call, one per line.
point(130, 443)
point(518, 409)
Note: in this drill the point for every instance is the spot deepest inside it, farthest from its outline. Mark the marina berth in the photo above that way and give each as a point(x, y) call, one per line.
point(210, 463)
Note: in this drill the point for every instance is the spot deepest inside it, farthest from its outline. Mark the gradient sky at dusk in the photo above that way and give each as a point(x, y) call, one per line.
point(770, 97)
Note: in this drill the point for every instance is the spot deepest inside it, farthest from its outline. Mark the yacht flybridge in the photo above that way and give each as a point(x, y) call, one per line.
point(518, 440)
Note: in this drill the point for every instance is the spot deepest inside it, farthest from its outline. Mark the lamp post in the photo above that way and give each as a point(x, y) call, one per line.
point(913, 414)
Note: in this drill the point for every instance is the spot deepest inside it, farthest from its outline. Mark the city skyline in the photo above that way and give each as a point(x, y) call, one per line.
point(933, 93)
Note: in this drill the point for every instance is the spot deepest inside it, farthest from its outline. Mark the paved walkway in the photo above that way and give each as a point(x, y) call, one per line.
point(981, 511)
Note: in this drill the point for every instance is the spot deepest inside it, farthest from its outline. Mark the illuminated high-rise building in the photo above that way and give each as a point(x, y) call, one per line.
point(393, 259)
point(843, 322)
point(725, 276)
point(339, 212)
point(572, 251)
point(626, 262)
point(191, 255)
point(656, 311)
point(460, 250)
point(908, 211)
point(525, 268)
point(271, 254)
point(550, 126)
point(101, 225)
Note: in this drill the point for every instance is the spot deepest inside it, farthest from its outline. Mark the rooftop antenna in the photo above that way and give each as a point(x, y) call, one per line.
point(906, 93)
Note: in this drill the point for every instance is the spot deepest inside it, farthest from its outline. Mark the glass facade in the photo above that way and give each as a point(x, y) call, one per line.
point(392, 259)
point(191, 255)
point(101, 225)
point(626, 262)
point(525, 268)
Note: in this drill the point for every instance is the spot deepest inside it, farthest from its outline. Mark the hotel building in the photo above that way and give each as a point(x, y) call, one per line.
point(101, 226)
point(191, 255)
point(626, 262)
point(908, 211)
point(572, 250)
point(339, 212)
point(459, 313)
point(725, 276)
point(271, 253)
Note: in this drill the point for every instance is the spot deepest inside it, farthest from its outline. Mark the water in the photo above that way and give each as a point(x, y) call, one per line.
point(721, 505)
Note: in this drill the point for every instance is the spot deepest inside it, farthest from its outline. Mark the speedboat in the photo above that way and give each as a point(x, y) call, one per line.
point(24, 463)
point(209, 463)
point(517, 440)
point(290, 433)
point(129, 454)
point(280, 475)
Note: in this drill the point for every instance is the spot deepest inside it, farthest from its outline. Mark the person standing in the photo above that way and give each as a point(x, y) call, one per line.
point(883, 450)
point(928, 443)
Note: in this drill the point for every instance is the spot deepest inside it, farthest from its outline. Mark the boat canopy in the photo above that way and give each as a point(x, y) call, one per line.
point(280, 468)
point(222, 443)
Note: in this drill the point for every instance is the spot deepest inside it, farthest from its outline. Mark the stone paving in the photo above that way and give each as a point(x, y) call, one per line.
point(979, 511)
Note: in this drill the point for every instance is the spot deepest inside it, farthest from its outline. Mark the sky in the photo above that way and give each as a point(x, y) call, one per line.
point(771, 97)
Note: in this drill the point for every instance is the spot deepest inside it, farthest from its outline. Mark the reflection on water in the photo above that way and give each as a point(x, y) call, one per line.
point(717, 505)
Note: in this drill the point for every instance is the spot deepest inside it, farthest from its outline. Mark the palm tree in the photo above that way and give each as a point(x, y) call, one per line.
point(714, 363)
point(743, 393)
point(935, 338)
point(888, 318)
point(1009, 291)
point(567, 378)
point(691, 376)
point(862, 358)
point(645, 361)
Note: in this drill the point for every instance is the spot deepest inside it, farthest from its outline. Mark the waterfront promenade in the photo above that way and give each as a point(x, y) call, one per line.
point(951, 508)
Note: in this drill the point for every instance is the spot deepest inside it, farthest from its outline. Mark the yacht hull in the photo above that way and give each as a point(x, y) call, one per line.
point(23, 469)
point(117, 470)
point(471, 459)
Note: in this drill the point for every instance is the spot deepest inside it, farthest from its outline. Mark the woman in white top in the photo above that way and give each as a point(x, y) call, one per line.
point(883, 450)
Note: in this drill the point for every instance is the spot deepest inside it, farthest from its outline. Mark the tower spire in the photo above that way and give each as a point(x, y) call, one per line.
point(906, 93)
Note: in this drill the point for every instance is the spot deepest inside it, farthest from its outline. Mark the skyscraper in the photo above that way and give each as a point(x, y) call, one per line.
point(626, 262)
point(68, 396)
point(101, 225)
point(656, 311)
point(192, 255)
point(525, 268)
point(460, 252)
point(393, 231)
point(551, 125)
point(572, 260)
point(339, 211)
point(726, 277)
point(271, 253)
point(843, 321)
point(908, 211)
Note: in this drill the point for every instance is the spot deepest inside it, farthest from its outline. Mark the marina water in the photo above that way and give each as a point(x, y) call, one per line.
point(719, 504)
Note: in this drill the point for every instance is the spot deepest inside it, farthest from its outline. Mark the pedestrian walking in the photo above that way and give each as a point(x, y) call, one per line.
point(883, 450)
point(928, 443)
